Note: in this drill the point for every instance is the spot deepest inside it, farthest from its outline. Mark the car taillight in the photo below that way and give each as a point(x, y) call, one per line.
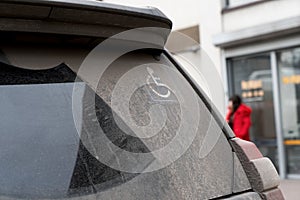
point(260, 171)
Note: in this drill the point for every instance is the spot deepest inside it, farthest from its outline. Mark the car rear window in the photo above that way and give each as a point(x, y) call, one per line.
point(141, 106)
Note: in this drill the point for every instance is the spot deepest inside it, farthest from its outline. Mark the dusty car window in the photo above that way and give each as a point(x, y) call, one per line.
point(138, 107)
point(41, 153)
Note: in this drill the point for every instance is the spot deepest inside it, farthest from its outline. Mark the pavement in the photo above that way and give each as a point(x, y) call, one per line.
point(290, 189)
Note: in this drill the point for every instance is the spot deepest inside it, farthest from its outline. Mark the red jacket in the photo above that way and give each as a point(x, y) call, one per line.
point(241, 121)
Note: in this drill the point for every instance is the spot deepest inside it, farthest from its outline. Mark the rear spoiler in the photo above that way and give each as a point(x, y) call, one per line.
point(77, 17)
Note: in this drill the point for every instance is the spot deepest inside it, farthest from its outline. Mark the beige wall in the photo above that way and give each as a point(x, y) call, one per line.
point(260, 13)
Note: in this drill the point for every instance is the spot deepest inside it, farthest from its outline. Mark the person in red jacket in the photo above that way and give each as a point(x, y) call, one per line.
point(239, 117)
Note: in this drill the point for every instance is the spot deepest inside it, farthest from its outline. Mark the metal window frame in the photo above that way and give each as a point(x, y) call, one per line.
point(278, 115)
point(227, 7)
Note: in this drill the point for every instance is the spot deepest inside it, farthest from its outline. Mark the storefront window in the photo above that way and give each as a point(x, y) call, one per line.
point(251, 78)
point(289, 69)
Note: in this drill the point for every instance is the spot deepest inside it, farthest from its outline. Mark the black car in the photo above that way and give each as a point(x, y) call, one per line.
point(94, 107)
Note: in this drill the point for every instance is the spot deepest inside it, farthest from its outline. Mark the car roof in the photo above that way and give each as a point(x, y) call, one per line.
point(76, 17)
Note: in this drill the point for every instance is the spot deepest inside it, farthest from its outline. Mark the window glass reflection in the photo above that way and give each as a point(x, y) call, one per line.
point(40, 149)
point(252, 80)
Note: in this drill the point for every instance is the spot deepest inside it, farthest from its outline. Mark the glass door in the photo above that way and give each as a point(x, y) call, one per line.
point(251, 78)
point(288, 62)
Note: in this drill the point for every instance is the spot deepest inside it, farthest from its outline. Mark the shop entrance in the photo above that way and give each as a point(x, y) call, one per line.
point(251, 78)
point(270, 84)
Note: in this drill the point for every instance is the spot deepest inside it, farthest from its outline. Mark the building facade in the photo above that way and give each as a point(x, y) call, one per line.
point(260, 50)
